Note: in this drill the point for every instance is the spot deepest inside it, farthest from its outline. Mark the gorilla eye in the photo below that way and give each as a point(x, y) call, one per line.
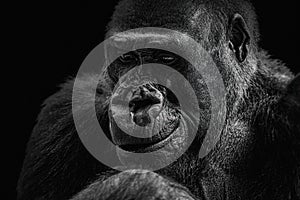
point(128, 58)
point(167, 59)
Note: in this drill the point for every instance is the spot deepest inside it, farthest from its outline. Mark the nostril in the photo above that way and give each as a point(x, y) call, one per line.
point(142, 103)
point(142, 119)
point(139, 107)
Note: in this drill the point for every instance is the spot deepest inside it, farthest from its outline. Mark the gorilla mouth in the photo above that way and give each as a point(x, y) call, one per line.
point(153, 143)
point(154, 115)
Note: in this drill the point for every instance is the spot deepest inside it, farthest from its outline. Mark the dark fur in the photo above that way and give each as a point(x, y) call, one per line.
point(256, 157)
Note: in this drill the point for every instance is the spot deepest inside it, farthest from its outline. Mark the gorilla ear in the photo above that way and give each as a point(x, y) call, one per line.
point(239, 38)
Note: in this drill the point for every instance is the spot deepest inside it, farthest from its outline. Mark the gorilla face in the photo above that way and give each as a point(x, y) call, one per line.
point(145, 116)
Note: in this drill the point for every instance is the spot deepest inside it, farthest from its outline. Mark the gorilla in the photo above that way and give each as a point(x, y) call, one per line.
point(256, 156)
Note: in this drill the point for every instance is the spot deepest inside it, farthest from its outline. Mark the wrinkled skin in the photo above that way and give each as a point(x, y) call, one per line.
point(257, 156)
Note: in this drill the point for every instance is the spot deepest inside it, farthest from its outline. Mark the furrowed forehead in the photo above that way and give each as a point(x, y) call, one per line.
point(148, 36)
point(125, 36)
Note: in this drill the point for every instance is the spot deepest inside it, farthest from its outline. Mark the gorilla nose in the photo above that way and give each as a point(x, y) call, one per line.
point(147, 122)
point(143, 99)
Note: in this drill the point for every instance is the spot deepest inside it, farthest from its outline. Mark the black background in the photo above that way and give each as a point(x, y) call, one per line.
point(54, 38)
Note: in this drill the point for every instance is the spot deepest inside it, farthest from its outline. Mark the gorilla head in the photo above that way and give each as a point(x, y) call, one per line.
point(256, 156)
